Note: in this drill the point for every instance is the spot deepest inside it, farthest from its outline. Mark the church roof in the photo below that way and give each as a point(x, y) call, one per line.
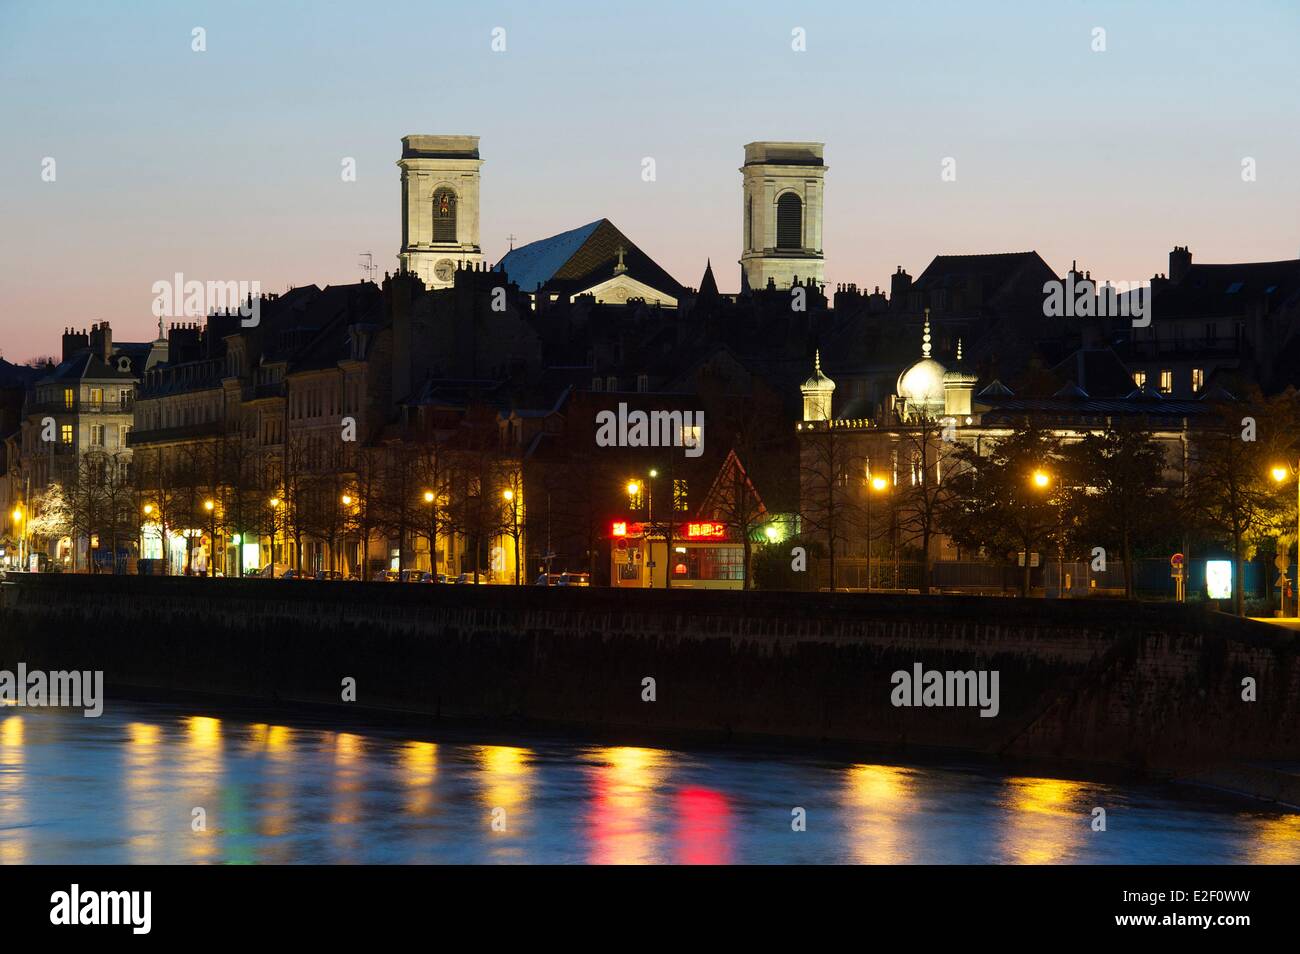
point(583, 257)
point(533, 265)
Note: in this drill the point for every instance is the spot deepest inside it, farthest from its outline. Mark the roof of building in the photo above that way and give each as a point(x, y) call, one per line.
point(1208, 291)
point(994, 270)
point(582, 257)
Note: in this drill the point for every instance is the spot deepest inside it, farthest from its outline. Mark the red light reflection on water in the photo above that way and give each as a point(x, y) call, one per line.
point(704, 827)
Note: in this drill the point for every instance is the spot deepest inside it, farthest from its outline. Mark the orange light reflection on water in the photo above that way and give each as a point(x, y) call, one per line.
point(620, 822)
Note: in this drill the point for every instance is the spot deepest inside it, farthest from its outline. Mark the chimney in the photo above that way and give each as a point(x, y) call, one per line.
point(101, 341)
point(73, 342)
point(1180, 262)
point(900, 283)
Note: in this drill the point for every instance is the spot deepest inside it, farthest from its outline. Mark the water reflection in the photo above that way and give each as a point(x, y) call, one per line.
point(122, 788)
point(200, 769)
point(505, 778)
point(13, 816)
point(624, 785)
point(1047, 820)
point(141, 780)
point(1276, 840)
point(881, 802)
point(704, 834)
point(273, 751)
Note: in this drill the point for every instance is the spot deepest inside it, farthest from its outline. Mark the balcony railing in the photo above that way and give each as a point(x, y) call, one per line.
point(160, 435)
point(125, 406)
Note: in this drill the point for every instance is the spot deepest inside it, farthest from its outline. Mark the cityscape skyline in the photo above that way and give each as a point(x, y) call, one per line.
point(88, 246)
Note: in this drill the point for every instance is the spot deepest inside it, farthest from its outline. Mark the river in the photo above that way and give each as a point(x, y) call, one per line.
point(148, 783)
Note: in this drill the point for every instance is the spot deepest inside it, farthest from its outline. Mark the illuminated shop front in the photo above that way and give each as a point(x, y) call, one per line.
point(703, 556)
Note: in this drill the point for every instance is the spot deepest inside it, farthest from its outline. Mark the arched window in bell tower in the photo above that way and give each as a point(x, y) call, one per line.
point(789, 221)
point(444, 215)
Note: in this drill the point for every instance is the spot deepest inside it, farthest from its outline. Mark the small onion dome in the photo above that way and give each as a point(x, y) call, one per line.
point(818, 381)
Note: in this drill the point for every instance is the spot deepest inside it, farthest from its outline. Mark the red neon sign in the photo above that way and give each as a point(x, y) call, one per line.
point(706, 530)
point(620, 528)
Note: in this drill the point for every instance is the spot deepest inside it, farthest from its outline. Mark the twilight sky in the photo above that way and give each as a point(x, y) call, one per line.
point(225, 164)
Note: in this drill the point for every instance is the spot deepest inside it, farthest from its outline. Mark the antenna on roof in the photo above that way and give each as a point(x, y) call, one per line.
point(368, 266)
point(511, 239)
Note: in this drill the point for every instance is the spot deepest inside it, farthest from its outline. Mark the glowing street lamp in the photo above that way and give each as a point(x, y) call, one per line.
point(633, 488)
point(19, 529)
point(509, 497)
point(1280, 473)
point(1042, 479)
point(210, 506)
point(346, 500)
point(428, 496)
point(878, 485)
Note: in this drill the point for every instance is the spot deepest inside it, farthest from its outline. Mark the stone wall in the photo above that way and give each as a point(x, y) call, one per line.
point(1155, 686)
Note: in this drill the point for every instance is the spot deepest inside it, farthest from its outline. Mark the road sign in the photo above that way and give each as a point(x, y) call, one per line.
point(1176, 560)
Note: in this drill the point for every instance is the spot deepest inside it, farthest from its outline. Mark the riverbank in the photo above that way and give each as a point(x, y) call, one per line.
point(1151, 687)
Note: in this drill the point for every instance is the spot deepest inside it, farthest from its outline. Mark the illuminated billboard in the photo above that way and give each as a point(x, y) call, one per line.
point(1218, 579)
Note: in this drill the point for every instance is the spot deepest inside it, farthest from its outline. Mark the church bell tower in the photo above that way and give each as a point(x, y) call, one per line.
point(782, 228)
point(440, 225)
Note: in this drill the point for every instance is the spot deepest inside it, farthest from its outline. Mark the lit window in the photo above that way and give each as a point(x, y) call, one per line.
point(1140, 378)
point(65, 433)
point(67, 398)
point(96, 435)
point(96, 395)
point(1198, 379)
point(1166, 381)
point(680, 499)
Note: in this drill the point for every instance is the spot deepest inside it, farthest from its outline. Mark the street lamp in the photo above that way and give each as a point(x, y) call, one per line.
point(20, 531)
point(509, 497)
point(211, 507)
point(275, 522)
point(878, 485)
point(1280, 474)
point(1042, 479)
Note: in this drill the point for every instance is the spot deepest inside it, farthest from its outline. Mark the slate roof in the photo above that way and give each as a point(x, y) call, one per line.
point(994, 270)
point(582, 257)
point(1209, 291)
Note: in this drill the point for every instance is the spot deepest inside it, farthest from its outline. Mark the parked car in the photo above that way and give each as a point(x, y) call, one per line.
point(574, 579)
point(274, 571)
point(469, 578)
point(548, 579)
